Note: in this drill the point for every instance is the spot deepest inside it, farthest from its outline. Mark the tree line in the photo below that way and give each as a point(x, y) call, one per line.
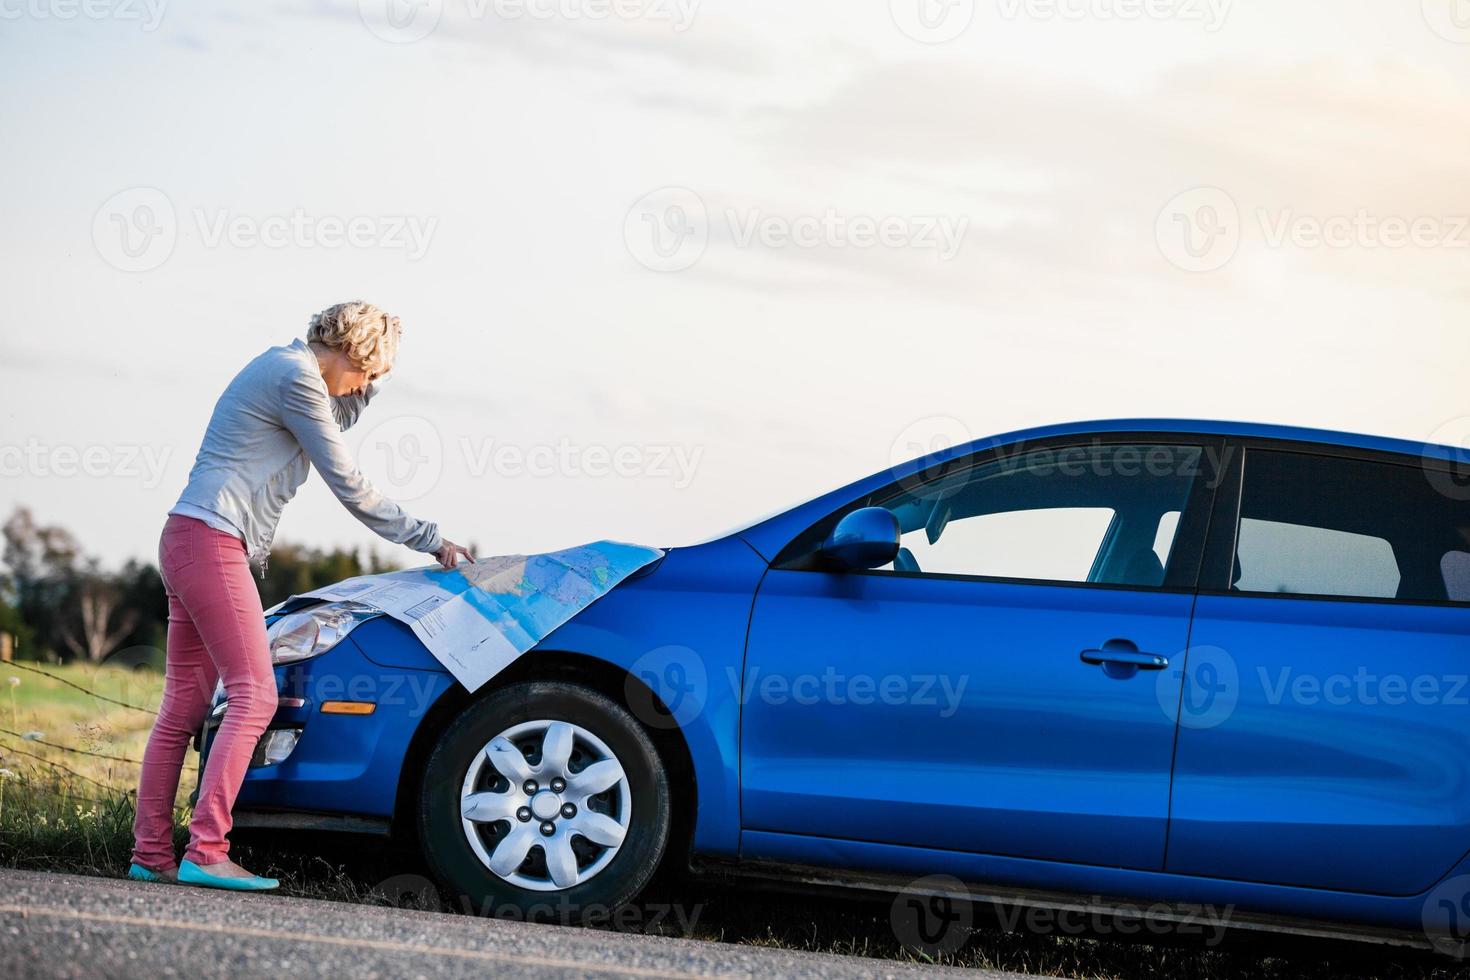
point(59, 604)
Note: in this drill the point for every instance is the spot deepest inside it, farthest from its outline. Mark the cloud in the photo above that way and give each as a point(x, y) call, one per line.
point(1065, 180)
point(671, 34)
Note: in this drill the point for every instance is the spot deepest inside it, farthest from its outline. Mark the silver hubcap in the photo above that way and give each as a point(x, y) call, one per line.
point(545, 805)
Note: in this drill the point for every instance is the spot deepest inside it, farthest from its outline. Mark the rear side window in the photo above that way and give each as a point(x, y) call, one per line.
point(1324, 526)
point(1291, 558)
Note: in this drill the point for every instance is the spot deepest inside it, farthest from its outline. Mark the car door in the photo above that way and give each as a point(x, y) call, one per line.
point(1325, 727)
point(998, 690)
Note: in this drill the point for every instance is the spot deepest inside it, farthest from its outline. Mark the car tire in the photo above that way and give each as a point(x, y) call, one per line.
point(466, 798)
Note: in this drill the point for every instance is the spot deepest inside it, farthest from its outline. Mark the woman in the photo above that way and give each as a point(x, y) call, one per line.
point(280, 416)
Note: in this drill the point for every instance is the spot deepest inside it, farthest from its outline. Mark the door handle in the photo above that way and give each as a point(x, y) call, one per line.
point(1126, 653)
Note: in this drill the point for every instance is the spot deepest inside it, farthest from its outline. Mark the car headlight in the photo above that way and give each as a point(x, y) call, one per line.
point(312, 632)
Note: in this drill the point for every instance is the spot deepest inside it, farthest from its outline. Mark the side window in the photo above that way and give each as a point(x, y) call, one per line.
point(1326, 526)
point(1103, 514)
point(1304, 560)
point(1055, 543)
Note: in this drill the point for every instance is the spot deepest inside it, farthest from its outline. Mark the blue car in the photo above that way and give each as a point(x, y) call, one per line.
point(1208, 665)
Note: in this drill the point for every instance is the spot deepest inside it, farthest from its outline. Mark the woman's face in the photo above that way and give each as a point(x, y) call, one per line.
point(352, 380)
point(346, 377)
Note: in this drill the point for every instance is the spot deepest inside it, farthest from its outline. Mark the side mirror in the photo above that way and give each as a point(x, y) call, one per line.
point(866, 538)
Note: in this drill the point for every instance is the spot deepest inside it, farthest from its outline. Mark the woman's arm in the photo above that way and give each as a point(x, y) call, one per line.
point(348, 408)
point(308, 414)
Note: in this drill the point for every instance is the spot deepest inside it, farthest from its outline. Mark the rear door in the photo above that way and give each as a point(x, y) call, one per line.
point(1324, 735)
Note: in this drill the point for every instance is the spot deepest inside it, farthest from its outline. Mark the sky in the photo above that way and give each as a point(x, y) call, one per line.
point(665, 266)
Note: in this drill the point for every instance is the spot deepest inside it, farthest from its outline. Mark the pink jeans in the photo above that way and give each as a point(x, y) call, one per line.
point(216, 630)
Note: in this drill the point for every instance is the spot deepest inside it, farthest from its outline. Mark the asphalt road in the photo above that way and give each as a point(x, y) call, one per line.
point(69, 926)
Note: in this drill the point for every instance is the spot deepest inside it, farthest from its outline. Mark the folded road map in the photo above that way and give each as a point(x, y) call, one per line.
point(479, 617)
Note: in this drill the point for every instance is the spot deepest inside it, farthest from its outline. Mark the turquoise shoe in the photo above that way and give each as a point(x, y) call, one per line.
point(191, 874)
point(139, 873)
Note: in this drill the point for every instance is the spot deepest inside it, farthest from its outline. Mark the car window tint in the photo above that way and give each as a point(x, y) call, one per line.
point(1339, 527)
point(1455, 566)
point(1089, 514)
point(1275, 557)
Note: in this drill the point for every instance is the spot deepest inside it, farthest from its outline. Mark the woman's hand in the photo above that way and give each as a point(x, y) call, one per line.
point(449, 553)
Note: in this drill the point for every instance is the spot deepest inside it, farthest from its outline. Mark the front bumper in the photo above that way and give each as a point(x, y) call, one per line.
point(339, 766)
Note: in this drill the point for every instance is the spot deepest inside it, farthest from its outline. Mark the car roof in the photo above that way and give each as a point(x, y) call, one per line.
point(1216, 427)
point(768, 536)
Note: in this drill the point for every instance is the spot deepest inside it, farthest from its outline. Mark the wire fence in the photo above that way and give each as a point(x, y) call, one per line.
point(62, 680)
point(43, 767)
point(68, 748)
point(53, 764)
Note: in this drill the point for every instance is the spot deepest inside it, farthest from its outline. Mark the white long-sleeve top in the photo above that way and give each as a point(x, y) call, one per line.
point(274, 422)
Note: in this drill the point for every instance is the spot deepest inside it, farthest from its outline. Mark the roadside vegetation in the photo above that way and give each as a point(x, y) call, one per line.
point(68, 762)
point(59, 605)
point(71, 737)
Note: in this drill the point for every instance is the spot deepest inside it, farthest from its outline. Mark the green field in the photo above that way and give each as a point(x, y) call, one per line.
point(63, 806)
point(68, 763)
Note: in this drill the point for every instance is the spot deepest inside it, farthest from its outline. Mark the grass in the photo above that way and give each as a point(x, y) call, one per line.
point(66, 811)
point(863, 929)
point(68, 765)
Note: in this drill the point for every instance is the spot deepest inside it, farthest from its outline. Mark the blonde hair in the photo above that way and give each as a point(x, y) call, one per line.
point(361, 331)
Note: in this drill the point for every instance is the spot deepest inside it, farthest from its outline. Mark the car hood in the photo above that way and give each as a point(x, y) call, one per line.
point(477, 618)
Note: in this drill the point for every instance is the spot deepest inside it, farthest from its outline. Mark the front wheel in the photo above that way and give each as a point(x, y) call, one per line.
point(544, 800)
